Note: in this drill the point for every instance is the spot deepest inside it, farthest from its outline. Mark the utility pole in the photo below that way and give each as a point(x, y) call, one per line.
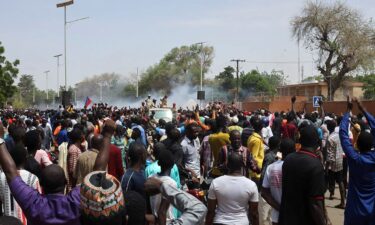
point(101, 92)
point(136, 94)
point(46, 72)
point(237, 71)
point(33, 95)
point(57, 74)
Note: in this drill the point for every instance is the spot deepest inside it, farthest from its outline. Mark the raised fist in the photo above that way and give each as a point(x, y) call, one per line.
point(293, 99)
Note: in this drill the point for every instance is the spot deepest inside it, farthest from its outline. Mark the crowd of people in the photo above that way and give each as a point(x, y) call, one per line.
point(109, 165)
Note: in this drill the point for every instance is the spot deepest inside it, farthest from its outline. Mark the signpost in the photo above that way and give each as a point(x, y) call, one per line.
point(316, 100)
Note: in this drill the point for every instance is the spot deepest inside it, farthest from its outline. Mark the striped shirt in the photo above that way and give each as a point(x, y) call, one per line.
point(10, 206)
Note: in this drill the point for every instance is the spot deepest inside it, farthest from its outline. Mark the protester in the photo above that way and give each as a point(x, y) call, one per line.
point(160, 208)
point(236, 147)
point(52, 208)
point(303, 185)
point(134, 177)
point(217, 140)
point(74, 151)
point(226, 206)
point(334, 163)
point(269, 158)
point(155, 168)
point(256, 146)
point(190, 147)
point(361, 191)
point(193, 211)
point(272, 181)
point(120, 141)
point(8, 203)
point(47, 134)
point(86, 160)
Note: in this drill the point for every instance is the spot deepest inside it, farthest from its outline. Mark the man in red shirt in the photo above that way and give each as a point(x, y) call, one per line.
point(289, 130)
point(115, 167)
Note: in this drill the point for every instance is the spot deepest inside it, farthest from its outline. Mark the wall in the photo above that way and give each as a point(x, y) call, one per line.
point(285, 105)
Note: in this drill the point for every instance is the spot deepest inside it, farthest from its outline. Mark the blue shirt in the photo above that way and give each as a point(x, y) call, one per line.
point(134, 181)
point(143, 134)
point(62, 137)
point(154, 168)
point(361, 192)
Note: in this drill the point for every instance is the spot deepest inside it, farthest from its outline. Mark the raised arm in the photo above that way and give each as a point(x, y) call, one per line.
point(346, 144)
point(6, 161)
point(193, 210)
point(103, 156)
point(322, 112)
point(293, 100)
point(370, 118)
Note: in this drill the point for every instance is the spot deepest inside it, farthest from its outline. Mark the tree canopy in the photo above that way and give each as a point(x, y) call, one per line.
point(343, 38)
point(91, 86)
point(8, 72)
point(254, 82)
point(226, 78)
point(369, 86)
point(179, 66)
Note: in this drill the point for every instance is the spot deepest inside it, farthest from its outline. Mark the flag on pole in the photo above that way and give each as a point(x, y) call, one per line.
point(87, 102)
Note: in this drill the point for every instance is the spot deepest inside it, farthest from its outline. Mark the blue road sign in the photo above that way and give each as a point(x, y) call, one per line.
point(316, 100)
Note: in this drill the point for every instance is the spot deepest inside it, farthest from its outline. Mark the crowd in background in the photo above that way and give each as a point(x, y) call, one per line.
point(212, 165)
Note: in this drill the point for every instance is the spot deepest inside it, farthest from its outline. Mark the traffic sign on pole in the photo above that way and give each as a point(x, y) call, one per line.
point(316, 100)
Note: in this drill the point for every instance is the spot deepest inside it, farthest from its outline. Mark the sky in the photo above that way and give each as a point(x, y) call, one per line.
point(121, 35)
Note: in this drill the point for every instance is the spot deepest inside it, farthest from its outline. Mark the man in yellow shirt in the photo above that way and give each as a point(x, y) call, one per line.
point(217, 140)
point(256, 146)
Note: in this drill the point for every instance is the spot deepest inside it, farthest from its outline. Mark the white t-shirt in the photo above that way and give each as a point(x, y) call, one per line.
point(273, 181)
point(156, 199)
point(233, 194)
point(266, 135)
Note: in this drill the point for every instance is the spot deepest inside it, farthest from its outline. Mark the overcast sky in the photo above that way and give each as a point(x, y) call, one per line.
point(121, 35)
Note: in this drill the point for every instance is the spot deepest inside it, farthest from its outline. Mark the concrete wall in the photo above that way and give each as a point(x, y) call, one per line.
point(285, 105)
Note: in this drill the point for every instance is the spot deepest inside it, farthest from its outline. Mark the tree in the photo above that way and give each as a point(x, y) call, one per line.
point(344, 40)
point(26, 87)
point(129, 91)
point(369, 86)
point(8, 72)
point(254, 82)
point(181, 65)
point(226, 78)
point(91, 86)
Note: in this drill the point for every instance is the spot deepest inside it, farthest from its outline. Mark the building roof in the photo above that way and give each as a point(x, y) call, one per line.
point(322, 83)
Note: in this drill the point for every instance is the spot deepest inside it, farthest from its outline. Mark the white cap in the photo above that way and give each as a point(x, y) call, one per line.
point(235, 119)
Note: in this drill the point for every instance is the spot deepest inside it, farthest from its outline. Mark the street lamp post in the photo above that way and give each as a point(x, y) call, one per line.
point(46, 72)
point(65, 4)
point(57, 74)
point(202, 62)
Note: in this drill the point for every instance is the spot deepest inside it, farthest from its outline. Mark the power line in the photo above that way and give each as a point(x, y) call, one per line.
point(278, 62)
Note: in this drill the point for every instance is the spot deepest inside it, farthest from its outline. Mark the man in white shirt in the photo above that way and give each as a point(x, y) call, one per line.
point(232, 197)
point(190, 147)
point(272, 181)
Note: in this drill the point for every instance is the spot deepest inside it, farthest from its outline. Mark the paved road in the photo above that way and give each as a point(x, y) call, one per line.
point(336, 215)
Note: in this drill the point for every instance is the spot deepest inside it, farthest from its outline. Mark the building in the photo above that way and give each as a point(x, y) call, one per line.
point(321, 89)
